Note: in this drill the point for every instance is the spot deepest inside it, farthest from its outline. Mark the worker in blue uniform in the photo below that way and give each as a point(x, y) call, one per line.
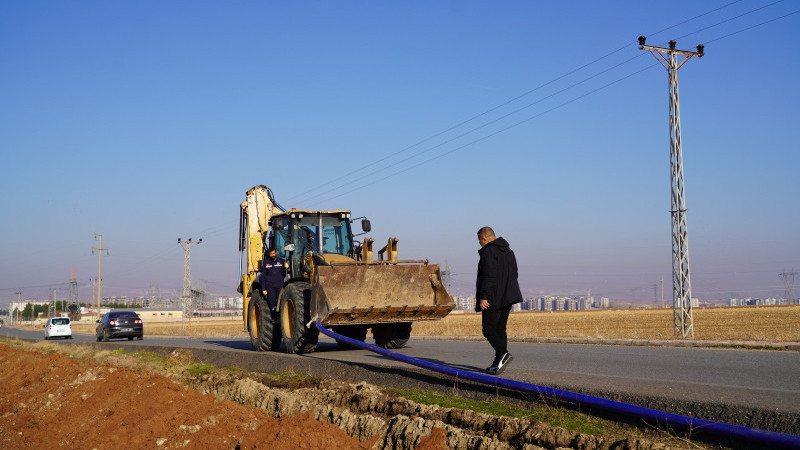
point(273, 272)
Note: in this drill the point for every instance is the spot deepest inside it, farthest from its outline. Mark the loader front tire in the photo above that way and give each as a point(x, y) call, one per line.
point(357, 332)
point(264, 334)
point(294, 316)
point(391, 335)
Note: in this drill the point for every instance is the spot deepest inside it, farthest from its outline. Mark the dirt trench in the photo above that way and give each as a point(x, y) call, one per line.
point(365, 412)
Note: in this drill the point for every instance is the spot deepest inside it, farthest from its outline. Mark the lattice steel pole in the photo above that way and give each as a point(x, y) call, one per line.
point(186, 296)
point(100, 251)
point(788, 281)
point(683, 321)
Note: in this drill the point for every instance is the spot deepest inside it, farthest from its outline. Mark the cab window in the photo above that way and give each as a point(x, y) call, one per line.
point(335, 234)
point(281, 237)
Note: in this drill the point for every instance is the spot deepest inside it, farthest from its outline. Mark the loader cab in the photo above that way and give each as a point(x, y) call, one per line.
point(300, 236)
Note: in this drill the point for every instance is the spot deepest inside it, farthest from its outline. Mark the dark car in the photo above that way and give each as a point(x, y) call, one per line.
point(120, 324)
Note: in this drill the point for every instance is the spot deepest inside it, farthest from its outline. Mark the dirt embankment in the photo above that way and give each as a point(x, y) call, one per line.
point(50, 398)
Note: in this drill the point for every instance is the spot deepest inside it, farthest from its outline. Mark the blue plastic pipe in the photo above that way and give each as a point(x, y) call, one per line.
point(743, 435)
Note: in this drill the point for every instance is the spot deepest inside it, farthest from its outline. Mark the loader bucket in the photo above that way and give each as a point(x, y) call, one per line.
point(378, 293)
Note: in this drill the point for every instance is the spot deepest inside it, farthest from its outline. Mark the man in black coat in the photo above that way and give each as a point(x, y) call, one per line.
point(497, 289)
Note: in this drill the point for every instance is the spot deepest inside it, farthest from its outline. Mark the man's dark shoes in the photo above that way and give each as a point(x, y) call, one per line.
point(499, 365)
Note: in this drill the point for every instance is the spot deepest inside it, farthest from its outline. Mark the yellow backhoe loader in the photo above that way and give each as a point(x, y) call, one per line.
point(330, 277)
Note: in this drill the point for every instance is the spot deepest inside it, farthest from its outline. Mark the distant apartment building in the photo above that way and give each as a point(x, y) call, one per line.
point(464, 303)
point(554, 303)
point(229, 302)
point(749, 301)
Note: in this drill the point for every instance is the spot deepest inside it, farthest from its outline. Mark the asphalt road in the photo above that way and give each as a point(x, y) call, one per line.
point(739, 380)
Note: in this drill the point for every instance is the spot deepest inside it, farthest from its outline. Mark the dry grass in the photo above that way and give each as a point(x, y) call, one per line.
point(752, 323)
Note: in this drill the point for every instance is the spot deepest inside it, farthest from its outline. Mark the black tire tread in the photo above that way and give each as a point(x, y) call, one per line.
point(357, 332)
point(392, 335)
point(269, 338)
point(305, 339)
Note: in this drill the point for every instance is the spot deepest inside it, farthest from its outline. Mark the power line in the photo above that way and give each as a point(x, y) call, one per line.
point(495, 132)
point(34, 287)
point(528, 119)
point(507, 102)
point(753, 26)
point(731, 19)
point(492, 122)
point(464, 122)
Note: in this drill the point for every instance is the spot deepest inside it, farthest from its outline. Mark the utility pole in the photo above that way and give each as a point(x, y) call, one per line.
point(73, 286)
point(788, 281)
point(186, 297)
point(100, 251)
point(682, 317)
point(94, 294)
point(19, 302)
point(446, 276)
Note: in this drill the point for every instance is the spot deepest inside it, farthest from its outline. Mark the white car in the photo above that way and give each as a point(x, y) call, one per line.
point(58, 327)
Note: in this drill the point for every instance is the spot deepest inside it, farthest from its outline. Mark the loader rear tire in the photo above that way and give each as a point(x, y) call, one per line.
point(294, 315)
point(391, 335)
point(264, 334)
point(357, 332)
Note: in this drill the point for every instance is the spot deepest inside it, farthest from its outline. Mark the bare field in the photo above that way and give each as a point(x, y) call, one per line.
point(750, 323)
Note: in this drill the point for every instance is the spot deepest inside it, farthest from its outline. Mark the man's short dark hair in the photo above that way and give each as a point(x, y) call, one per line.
point(486, 232)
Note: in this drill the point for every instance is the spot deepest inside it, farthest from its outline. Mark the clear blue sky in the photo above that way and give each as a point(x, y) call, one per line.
point(147, 121)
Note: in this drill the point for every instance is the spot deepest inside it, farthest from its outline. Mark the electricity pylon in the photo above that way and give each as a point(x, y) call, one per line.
point(186, 296)
point(682, 318)
point(788, 281)
point(73, 286)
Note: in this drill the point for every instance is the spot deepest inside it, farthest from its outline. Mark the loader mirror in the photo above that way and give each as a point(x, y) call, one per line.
point(366, 226)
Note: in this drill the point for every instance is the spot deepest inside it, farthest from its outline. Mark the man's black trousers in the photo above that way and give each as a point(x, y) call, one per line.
point(272, 295)
point(493, 322)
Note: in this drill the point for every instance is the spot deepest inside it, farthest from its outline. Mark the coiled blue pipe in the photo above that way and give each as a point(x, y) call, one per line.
point(743, 435)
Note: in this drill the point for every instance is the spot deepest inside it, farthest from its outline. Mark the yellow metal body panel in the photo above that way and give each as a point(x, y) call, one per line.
point(259, 209)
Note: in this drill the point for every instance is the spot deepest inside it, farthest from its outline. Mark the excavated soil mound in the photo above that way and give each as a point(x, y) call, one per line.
point(49, 399)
